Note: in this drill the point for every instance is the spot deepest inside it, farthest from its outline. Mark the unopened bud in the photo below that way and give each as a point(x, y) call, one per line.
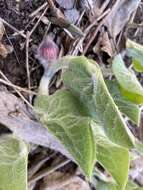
point(47, 52)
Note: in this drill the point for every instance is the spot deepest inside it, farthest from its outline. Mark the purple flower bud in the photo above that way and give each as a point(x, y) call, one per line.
point(47, 52)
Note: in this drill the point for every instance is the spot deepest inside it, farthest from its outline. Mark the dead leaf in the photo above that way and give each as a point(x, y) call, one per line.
point(66, 4)
point(15, 116)
point(72, 15)
point(120, 15)
point(105, 44)
point(56, 17)
point(136, 170)
point(3, 51)
point(87, 4)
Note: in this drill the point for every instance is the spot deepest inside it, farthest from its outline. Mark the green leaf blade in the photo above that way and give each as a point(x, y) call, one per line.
point(65, 118)
point(130, 86)
point(113, 157)
point(85, 81)
point(13, 163)
point(130, 109)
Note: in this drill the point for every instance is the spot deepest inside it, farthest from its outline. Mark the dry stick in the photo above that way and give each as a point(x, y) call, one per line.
point(103, 15)
point(13, 48)
point(48, 171)
point(80, 18)
point(141, 128)
point(38, 165)
point(17, 87)
point(23, 98)
point(50, 2)
point(92, 38)
point(27, 47)
point(35, 26)
point(87, 30)
point(13, 28)
point(105, 4)
point(95, 33)
point(27, 59)
point(38, 10)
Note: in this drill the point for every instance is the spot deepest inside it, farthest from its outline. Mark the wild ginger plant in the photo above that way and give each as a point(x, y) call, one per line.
point(87, 116)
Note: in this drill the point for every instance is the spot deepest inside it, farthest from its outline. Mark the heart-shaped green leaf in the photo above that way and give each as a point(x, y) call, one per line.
point(70, 114)
point(130, 86)
point(113, 157)
point(66, 118)
point(85, 81)
point(13, 163)
point(130, 109)
point(135, 51)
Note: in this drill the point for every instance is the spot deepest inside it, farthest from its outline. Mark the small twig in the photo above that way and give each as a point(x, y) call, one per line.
point(95, 33)
point(51, 4)
point(13, 48)
point(78, 43)
point(48, 171)
point(38, 165)
point(80, 18)
point(22, 97)
point(13, 28)
point(38, 10)
point(37, 23)
point(92, 38)
point(104, 5)
point(17, 87)
point(141, 128)
point(27, 59)
point(86, 32)
point(27, 47)
point(103, 15)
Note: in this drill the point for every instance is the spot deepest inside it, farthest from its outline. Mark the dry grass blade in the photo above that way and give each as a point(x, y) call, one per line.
point(27, 47)
point(48, 171)
point(22, 97)
point(17, 87)
point(120, 15)
point(2, 29)
point(13, 28)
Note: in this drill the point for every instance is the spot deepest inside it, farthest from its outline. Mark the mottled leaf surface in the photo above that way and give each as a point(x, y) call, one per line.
point(113, 157)
point(87, 121)
point(85, 81)
point(66, 118)
point(13, 163)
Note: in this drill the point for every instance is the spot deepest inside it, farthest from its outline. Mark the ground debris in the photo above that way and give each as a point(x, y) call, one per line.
point(62, 181)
